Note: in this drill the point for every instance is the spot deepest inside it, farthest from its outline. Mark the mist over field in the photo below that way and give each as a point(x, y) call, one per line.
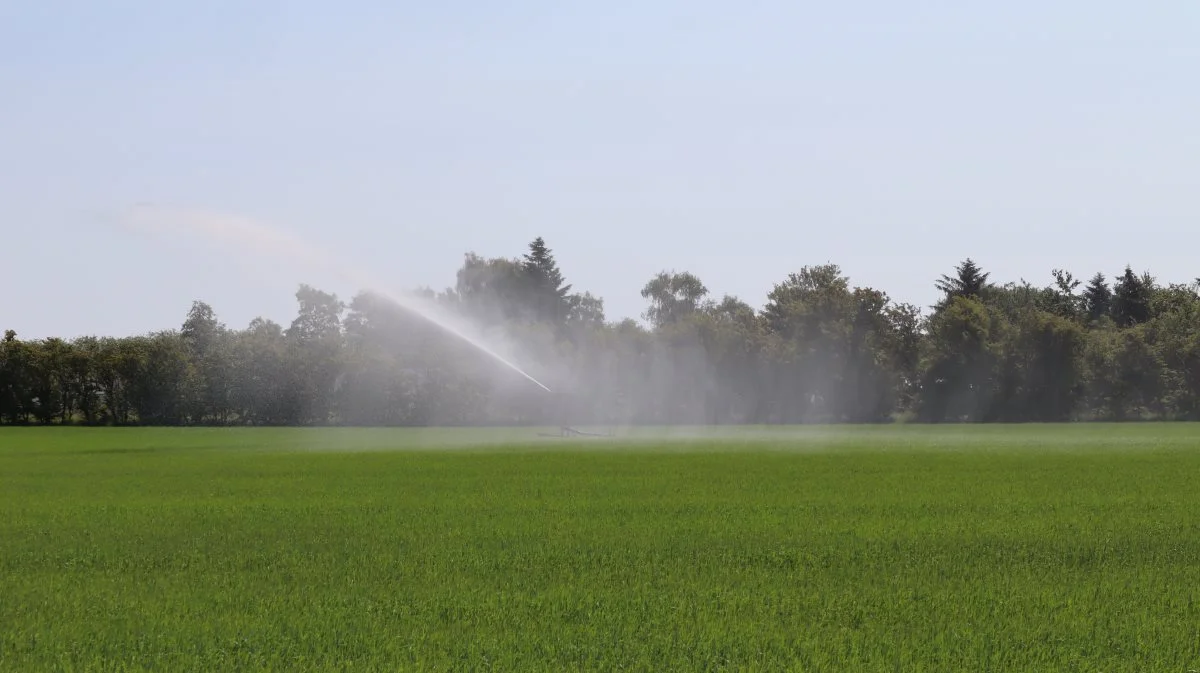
point(514, 342)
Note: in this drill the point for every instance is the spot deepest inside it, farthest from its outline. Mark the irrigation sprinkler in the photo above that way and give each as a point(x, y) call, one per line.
point(568, 431)
point(561, 406)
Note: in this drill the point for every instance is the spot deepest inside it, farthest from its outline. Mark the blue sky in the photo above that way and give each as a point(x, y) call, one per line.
point(737, 141)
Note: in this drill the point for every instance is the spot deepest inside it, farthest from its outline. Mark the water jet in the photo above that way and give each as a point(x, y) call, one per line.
point(250, 234)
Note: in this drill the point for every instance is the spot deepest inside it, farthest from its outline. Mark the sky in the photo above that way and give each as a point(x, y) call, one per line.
point(738, 141)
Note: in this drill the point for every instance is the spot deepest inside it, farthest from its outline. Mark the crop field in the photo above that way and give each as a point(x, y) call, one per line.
point(890, 548)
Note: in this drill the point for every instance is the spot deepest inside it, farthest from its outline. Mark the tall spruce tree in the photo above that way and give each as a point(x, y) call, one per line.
point(1097, 297)
point(969, 281)
point(548, 290)
point(1131, 298)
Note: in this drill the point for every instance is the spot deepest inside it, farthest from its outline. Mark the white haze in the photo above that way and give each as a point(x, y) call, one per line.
point(246, 235)
point(670, 378)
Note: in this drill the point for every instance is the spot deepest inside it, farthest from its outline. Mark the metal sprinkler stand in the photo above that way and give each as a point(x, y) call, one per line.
point(567, 431)
point(560, 400)
point(572, 432)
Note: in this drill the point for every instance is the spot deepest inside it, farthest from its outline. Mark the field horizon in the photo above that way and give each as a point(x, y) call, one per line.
point(910, 435)
point(1065, 547)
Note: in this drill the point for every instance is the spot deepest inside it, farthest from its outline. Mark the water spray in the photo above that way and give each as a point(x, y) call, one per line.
point(247, 232)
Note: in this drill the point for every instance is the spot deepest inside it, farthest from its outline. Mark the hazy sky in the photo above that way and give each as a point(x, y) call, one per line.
point(739, 141)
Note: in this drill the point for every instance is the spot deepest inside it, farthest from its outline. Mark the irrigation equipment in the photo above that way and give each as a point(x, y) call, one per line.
point(563, 409)
point(565, 431)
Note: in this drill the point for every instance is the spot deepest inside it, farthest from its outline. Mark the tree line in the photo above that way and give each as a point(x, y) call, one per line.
point(821, 350)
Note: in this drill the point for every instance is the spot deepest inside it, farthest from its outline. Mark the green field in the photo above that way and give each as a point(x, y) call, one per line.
point(891, 548)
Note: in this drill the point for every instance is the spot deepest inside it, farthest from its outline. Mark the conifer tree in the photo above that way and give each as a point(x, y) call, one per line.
point(1097, 297)
point(969, 281)
point(1131, 298)
point(548, 290)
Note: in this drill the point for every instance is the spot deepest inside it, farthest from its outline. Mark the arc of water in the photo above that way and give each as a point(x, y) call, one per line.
point(247, 232)
point(411, 304)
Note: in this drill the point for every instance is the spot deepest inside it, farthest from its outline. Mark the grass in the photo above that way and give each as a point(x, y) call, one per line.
point(892, 548)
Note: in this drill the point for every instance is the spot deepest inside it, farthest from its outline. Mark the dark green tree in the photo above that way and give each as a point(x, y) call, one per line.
point(1131, 298)
point(16, 371)
point(82, 378)
point(258, 389)
point(548, 291)
point(156, 368)
point(586, 309)
point(489, 291)
point(673, 296)
point(209, 372)
point(960, 369)
point(969, 281)
point(313, 360)
point(1062, 298)
point(1097, 298)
